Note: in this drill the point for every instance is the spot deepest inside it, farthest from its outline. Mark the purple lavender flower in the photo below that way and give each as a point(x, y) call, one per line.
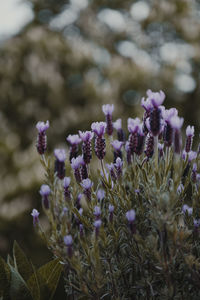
point(111, 169)
point(147, 105)
point(84, 171)
point(81, 230)
point(42, 138)
point(118, 166)
point(45, 191)
point(187, 209)
point(168, 130)
point(189, 139)
point(156, 98)
point(149, 147)
point(97, 225)
point(66, 183)
point(68, 242)
point(120, 132)
point(35, 215)
point(100, 195)
point(80, 213)
point(78, 201)
point(180, 188)
point(160, 148)
point(117, 145)
point(108, 110)
point(60, 155)
point(87, 185)
point(196, 223)
point(99, 129)
point(176, 124)
point(134, 125)
point(130, 216)
point(128, 153)
point(191, 155)
point(97, 212)
point(86, 137)
point(194, 173)
point(111, 210)
point(76, 163)
point(74, 141)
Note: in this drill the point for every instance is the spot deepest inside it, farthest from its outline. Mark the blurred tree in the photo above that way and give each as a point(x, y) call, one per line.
point(71, 58)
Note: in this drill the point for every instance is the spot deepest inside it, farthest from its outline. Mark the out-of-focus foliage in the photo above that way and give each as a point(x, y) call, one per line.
point(19, 279)
point(71, 58)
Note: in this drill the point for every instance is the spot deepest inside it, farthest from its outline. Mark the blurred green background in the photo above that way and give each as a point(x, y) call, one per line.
point(68, 59)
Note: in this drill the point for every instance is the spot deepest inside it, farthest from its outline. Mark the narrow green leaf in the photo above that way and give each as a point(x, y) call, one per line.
point(18, 288)
point(33, 285)
point(5, 276)
point(23, 265)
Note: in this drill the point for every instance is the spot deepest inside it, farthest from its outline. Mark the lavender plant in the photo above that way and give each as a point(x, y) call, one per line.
point(127, 228)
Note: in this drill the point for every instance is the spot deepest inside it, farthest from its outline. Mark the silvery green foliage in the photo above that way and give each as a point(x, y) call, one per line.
point(134, 235)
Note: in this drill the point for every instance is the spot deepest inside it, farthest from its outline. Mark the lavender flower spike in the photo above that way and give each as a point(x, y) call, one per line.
point(42, 138)
point(117, 145)
point(156, 98)
point(99, 129)
point(130, 216)
point(75, 164)
point(189, 139)
point(120, 132)
point(66, 183)
point(60, 155)
point(35, 215)
point(97, 225)
point(111, 210)
point(97, 212)
point(187, 209)
point(108, 110)
point(86, 137)
point(176, 124)
point(118, 166)
point(100, 195)
point(68, 242)
point(74, 140)
point(87, 185)
point(45, 192)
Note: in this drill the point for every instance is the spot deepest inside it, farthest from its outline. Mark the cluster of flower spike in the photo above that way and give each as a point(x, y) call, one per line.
point(159, 130)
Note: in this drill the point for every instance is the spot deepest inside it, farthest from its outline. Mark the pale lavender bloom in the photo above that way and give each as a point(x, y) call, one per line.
point(98, 128)
point(119, 163)
point(66, 182)
point(77, 162)
point(192, 155)
point(73, 139)
point(65, 210)
point(97, 211)
point(68, 240)
point(187, 209)
point(86, 184)
point(118, 124)
point(60, 154)
point(111, 169)
point(35, 215)
point(130, 215)
point(167, 114)
point(117, 145)
point(108, 109)
point(100, 194)
point(157, 98)
point(147, 105)
point(180, 188)
point(190, 130)
point(111, 208)
point(86, 136)
point(176, 122)
point(194, 168)
point(196, 223)
point(41, 126)
point(133, 125)
point(97, 224)
point(45, 190)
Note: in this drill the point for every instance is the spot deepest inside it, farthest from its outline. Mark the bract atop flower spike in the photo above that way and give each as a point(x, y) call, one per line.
point(66, 183)
point(76, 163)
point(68, 242)
point(60, 155)
point(87, 185)
point(108, 110)
point(117, 145)
point(156, 98)
point(42, 138)
point(98, 128)
point(130, 216)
